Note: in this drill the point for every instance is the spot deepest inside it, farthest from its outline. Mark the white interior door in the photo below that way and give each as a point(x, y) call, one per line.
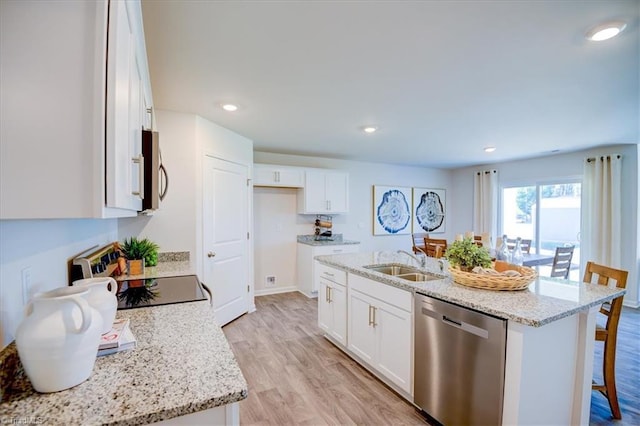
point(225, 241)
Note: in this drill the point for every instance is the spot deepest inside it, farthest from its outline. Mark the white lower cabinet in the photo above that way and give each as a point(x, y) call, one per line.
point(380, 334)
point(332, 310)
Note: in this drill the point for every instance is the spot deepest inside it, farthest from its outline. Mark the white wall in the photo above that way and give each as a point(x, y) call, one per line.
point(46, 246)
point(274, 248)
point(560, 166)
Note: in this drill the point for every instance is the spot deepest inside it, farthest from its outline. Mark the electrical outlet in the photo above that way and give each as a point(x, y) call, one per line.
point(26, 284)
point(270, 281)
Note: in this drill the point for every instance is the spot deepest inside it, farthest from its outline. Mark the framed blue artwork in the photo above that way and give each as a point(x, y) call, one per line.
point(429, 207)
point(391, 210)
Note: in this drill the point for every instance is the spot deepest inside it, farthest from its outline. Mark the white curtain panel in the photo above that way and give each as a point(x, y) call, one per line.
point(485, 203)
point(601, 211)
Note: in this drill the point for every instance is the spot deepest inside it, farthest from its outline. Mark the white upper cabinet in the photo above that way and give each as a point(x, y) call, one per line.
point(325, 192)
point(75, 92)
point(279, 176)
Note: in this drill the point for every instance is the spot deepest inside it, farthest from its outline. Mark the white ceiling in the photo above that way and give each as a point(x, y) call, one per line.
point(441, 79)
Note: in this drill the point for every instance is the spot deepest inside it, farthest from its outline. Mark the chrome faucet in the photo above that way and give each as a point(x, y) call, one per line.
point(421, 260)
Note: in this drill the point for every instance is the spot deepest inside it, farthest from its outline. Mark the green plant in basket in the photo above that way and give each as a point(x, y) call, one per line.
point(140, 249)
point(466, 255)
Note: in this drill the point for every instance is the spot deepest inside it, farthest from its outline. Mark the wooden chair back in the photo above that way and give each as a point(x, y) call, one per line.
point(525, 245)
point(418, 241)
point(477, 239)
point(435, 247)
point(562, 262)
point(609, 333)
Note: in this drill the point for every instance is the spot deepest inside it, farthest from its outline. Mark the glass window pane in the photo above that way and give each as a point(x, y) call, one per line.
point(518, 213)
point(560, 222)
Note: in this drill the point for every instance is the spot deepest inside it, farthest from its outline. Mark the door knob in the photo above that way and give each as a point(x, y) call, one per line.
point(211, 254)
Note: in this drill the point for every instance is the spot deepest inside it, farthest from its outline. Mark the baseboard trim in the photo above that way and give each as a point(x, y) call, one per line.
point(630, 304)
point(275, 290)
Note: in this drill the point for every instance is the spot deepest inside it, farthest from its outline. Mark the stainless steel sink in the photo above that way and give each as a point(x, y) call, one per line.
point(394, 270)
point(405, 272)
point(418, 276)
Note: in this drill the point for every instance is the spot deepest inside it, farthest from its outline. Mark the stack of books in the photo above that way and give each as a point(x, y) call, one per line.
point(118, 339)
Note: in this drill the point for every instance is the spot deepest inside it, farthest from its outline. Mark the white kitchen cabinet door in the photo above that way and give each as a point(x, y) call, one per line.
point(337, 191)
point(325, 316)
point(381, 334)
point(277, 176)
point(125, 103)
point(361, 332)
point(325, 192)
point(394, 329)
point(332, 310)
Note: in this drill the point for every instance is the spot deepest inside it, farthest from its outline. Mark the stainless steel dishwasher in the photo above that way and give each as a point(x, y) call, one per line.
point(459, 363)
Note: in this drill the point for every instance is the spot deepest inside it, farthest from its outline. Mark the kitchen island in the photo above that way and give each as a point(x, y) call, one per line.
point(182, 366)
point(550, 333)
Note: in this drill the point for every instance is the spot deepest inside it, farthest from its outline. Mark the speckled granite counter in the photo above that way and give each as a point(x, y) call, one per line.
point(182, 364)
point(335, 241)
point(546, 300)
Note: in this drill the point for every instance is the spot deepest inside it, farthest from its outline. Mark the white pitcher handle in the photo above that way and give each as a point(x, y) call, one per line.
point(28, 309)
point(87, 316)
point(114, 285)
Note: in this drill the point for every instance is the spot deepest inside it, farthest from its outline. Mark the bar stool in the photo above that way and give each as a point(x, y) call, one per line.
point(609, 333)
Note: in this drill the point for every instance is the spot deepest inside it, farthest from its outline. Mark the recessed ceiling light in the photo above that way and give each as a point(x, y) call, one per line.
point(229, 107)
point(489, 149)
point(606, 30)
point(369, 129)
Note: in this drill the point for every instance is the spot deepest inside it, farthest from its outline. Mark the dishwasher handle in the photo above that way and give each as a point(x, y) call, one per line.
point(460, 325)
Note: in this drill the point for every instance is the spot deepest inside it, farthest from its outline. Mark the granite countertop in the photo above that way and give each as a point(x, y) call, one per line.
point(182, 364)
point(546, 299)
point(336, 240)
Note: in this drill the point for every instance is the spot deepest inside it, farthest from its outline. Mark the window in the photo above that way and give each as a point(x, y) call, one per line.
point(546, 213)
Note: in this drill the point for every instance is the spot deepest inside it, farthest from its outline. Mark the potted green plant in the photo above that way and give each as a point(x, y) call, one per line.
point(466, 255)
point(139, 253)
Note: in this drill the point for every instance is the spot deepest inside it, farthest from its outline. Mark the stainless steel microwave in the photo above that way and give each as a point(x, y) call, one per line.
point(156, 180)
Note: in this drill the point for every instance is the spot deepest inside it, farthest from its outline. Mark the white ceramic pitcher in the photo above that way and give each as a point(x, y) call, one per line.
point(101, 298)
point(58, 339)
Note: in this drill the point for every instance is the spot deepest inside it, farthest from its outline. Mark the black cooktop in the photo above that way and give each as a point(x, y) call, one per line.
point(159, 291)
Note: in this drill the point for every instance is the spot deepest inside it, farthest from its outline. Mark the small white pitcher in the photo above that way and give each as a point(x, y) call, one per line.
point(58, 339)
point(101, 298)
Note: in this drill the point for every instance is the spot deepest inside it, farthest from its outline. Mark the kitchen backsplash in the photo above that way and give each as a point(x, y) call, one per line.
point(174, 256)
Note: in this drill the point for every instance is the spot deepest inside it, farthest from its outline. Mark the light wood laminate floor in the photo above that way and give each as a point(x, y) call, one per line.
point(296, 377)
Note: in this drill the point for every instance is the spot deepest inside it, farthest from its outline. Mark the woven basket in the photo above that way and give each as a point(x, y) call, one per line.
point(495, 282)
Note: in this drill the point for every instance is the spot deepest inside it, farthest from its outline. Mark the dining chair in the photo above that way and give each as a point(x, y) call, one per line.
point(562, 262)
point(525, 245)
point(418, 242)
point(608, 333)
point(435, 247)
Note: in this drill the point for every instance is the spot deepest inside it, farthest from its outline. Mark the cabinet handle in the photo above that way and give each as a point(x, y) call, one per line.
point(277, 176)
point(326, 294)
point(374, 316)
point(139, 160)
point(211, 254)
point(328, 205)
point(370, 315)
point(328, 274)
point(330, 295)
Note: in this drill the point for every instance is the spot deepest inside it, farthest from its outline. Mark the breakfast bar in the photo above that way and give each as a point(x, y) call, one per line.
point(182, 366)
point(550, 328)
